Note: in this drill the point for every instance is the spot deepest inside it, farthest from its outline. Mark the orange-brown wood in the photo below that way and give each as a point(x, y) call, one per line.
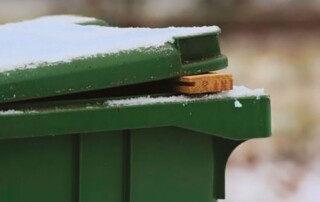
point(205, 83)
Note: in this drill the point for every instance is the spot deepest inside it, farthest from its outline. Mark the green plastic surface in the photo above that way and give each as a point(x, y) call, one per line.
point(158, 164)
point(70, 148)
point(97, 22)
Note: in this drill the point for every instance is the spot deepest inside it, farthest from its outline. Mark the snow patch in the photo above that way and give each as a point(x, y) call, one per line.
point(55, 39)
point(237, 92)
point(15, 112)
point(237, 104)
point(10, 112)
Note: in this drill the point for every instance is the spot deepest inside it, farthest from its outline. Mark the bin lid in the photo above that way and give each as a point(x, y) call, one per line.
point(61, 55)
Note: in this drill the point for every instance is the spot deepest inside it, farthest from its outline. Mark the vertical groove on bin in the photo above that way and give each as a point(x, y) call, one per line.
point(126, 165)
point(214, 171)
point(101, 167)
point(76, 173)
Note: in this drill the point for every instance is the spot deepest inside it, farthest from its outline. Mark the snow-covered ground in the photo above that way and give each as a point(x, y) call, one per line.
point(273, 182)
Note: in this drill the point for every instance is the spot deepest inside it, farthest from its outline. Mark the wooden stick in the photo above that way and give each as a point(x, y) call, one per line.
point(205, 83)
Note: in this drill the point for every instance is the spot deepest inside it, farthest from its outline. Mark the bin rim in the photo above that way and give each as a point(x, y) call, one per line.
point(217, 117)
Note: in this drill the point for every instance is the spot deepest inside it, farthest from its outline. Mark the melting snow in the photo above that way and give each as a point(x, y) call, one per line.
point(55, 39)
point(237, 104)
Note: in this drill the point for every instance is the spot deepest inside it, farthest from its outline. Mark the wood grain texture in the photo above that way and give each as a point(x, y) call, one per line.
point(205, 83)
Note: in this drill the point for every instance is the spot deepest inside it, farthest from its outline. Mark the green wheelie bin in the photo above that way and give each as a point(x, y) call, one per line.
point(109, 127)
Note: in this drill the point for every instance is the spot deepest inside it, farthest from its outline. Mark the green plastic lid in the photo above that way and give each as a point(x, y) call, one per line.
point(61, 55)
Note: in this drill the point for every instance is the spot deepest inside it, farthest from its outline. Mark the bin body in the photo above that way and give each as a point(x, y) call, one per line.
point(158, 164)
point(156, 152)
point(63, 138)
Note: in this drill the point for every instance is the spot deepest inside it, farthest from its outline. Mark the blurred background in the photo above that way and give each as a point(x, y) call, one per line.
point(271, 44)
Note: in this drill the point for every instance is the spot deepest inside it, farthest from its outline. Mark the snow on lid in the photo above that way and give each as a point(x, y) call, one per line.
point(65, 18)
point(237, 92)
point(55, 39)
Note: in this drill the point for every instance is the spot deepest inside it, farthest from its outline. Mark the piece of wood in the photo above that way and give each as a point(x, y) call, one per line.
point(205, 83)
